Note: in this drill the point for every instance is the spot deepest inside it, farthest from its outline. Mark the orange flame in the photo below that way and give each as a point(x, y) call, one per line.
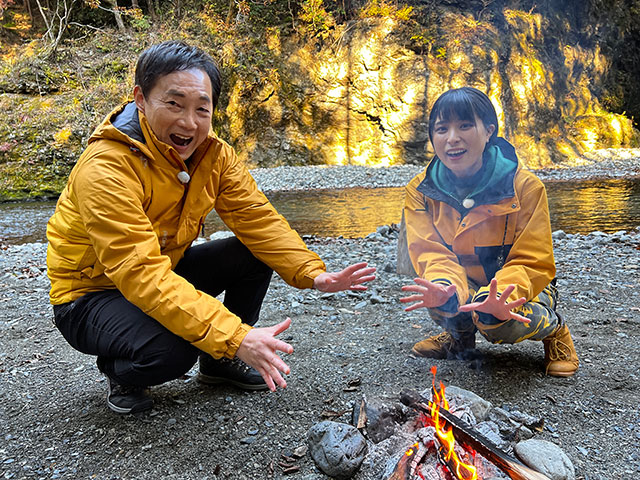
point(444, 432)
point(412, 449)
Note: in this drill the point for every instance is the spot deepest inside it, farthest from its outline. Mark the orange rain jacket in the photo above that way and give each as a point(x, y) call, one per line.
point(124, 221)
point(448, 243)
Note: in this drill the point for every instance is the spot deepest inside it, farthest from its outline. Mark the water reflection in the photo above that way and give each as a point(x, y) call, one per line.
point(604, 205)
point(576, 207)
point(607, 206)
point(24, 222)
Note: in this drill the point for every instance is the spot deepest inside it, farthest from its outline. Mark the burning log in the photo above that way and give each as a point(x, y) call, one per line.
point(406, 465)
point(454, 468)
point(465, 434)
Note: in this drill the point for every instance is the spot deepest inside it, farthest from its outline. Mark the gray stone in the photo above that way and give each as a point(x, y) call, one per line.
point(547, 458)
point(403, 264)
point(220, 235)
point(338, 449)
point(375, 298)
point(383, 230)
point(478, 405)
point(375, 236)
point(360, 305)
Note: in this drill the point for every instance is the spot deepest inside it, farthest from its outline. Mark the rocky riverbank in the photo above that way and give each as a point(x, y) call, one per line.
point(55, 423)
point(607, 163)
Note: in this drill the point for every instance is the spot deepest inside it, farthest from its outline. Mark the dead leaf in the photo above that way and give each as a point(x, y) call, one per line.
point(354, 382)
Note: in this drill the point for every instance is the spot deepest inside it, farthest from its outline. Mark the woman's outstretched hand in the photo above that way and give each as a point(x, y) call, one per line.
point(427, 294)
point(496, 306)
point(351, 278)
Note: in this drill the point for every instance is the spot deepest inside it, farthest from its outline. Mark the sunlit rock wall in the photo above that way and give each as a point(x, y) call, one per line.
point(360, 97)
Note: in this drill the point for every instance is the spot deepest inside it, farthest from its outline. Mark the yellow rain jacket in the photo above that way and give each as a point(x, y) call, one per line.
point(125, 220)
point(501, 229)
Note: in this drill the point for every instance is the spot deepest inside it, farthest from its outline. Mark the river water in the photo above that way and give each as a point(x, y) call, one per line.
point(576, 207)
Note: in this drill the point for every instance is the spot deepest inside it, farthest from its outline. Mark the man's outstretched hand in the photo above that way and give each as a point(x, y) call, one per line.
point(259, 350)
point(496, 306)
point(351, 278)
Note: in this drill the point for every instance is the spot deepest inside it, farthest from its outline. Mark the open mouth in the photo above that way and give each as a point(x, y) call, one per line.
point(456, 153)
point(180, 140)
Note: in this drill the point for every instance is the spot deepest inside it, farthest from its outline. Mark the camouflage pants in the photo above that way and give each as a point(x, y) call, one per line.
point(540, 311)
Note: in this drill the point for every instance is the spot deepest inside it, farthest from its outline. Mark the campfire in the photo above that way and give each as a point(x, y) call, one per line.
point(449, 448)
point(427, 436)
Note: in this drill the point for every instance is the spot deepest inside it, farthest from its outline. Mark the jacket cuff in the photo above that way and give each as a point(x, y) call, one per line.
point(452, 304)
point(234, 342)
point(226, 348)
point(482, 294)
point(309, 279)
point(485, 318)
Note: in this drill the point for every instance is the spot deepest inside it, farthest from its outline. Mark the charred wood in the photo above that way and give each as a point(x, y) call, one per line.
point(465, 434)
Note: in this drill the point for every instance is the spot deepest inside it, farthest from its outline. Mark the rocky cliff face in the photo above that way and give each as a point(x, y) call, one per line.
point(362, 95)
point(356, 92)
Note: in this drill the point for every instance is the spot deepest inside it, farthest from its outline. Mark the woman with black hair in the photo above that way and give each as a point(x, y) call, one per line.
point(479, 238)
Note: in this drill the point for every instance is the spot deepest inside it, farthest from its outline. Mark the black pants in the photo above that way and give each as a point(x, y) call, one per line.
point(135, 349)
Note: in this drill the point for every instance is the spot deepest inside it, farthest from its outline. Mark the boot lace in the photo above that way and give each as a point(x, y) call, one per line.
point(444, 338)
point(236, 363)
point(118, 390)
point(559, 351)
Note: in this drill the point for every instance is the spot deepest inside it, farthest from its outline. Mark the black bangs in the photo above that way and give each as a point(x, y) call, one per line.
point(457, 105)
point(464, 104)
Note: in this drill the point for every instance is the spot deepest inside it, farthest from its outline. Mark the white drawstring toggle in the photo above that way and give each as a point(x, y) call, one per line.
point(184, 177)
point(468, 202)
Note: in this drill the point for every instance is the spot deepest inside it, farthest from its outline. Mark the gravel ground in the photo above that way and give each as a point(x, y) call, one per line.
point(54, 422)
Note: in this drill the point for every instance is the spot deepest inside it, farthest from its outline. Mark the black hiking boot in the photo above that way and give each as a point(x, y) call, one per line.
point(233, 371)
point(126, 399)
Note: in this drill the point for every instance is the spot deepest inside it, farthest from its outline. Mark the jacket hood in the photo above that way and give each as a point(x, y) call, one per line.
point(122, 124)
point(492, 183)
point(128, 122)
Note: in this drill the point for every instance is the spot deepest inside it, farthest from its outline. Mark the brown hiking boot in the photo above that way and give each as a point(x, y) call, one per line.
point(445, 345)
point(560, 357)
